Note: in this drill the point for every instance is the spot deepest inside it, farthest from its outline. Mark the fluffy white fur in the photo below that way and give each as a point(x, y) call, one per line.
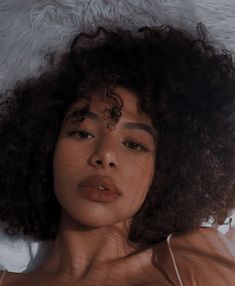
point(31, 28)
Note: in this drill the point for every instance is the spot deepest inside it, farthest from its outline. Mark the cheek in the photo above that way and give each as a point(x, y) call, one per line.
point(65, 175)
point(65, 171)
point(139, 178)
point(67, 157)
point(140, 172)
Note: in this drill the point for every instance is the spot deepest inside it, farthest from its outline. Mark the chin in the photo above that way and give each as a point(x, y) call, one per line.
point(89, 219)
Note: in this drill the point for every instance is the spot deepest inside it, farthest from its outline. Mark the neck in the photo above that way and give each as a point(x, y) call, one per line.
point(77, 248)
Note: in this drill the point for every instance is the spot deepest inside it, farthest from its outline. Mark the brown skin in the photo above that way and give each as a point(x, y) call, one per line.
point(92, 242)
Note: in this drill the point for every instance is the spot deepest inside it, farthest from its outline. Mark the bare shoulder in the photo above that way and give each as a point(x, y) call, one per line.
point(205, 240)
point(6, 280)
point(198, 257)
point(28, 279)
point(1, 273)
point(12, 278)
point(206, 254)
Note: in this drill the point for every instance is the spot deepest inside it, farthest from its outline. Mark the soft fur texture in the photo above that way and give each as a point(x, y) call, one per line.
point(30, 29)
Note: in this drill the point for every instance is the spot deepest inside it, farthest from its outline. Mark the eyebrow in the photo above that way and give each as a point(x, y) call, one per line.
point(141, 126)
point(76, 114)
point(128, 125)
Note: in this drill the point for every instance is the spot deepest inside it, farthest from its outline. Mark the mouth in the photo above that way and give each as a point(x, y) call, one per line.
point(100, 189)
point(101, 183)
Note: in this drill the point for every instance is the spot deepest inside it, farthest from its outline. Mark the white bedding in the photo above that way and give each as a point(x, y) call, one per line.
point(31, 28)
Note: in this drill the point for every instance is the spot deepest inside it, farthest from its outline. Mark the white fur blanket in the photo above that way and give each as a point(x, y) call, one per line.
point(31, 28)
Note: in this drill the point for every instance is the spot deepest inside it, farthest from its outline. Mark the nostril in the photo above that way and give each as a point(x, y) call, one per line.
point(101, 163)
point(98, 162)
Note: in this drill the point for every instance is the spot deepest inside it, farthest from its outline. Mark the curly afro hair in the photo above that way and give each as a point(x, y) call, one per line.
point(186, 87)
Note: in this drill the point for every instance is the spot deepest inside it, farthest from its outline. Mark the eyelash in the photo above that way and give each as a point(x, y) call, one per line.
point(78, 131)
point(142, 146)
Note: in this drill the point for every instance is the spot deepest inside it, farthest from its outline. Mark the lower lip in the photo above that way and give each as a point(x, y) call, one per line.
point(94, 194)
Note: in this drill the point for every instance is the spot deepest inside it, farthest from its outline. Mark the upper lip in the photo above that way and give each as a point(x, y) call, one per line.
point(104, 181)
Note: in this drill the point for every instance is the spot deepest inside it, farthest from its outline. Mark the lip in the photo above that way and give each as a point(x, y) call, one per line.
point(88, 189)
point(104, 181)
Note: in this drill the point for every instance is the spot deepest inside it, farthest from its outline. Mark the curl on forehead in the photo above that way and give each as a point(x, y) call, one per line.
point(108, 100)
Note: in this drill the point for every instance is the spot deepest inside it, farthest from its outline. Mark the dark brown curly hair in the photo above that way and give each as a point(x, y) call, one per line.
point(182, 83)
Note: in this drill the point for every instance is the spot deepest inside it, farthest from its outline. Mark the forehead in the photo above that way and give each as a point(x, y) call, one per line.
point(99, 102)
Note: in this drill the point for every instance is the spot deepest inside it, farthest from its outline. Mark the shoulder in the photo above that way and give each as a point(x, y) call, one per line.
point(9, 278)
point(199, 257)
point(2, 273)
point(205, 241)
point(14, 278)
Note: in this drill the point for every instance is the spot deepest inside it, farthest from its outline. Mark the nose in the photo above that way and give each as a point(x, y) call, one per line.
point(104, 155)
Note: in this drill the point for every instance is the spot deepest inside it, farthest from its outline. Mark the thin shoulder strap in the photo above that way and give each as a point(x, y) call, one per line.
point(173, 260)
point(2, 277)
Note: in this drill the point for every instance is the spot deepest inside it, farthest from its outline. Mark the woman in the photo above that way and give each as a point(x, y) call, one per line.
point(119, 154)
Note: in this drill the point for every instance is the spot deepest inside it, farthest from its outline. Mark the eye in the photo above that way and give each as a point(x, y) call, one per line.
point(82, 134)
point(136, 146)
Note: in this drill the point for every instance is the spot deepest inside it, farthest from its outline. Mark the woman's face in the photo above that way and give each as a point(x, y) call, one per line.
point(102, 176)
